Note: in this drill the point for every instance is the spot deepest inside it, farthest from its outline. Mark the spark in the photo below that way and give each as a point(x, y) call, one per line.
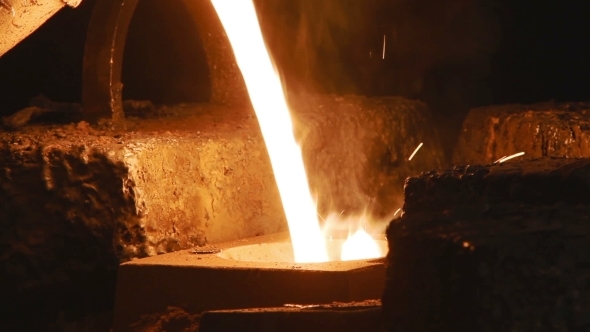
point(503, 159)
point(397, 211)
point(414, 153)
point(499, 160)
point(383, 56)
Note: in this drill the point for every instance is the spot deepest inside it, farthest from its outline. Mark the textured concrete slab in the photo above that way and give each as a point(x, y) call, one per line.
point(201, 282)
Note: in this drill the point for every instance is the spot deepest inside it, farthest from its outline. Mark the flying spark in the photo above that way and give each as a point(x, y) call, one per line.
point(414, 153)
point(383, 56)
point(503, 159)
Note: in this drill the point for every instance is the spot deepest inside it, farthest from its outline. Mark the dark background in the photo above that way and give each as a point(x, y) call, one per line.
point(452, 54)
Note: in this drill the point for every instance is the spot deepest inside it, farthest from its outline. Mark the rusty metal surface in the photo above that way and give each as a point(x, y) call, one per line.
point(102, 86)
point(492, 248)
point(18, 19)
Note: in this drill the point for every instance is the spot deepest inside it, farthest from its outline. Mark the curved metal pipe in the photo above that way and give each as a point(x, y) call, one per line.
point(105, 44)
point(103, 56)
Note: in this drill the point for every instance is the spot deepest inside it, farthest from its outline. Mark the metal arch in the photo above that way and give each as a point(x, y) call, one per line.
point(103, 58)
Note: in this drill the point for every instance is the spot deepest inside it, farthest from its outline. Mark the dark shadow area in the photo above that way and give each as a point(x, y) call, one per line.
point(545, 53)
point(164, 59)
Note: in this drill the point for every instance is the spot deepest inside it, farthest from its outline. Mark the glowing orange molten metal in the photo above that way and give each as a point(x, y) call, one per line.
point(266, 93)
point(240, 22)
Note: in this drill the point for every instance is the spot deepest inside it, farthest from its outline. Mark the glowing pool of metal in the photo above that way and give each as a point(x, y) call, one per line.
point(283, 251)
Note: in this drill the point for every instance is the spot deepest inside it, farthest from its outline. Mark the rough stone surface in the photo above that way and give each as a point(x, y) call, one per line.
point(479, 191)
point(540, 130)
point(75, 200)
point(503, 247)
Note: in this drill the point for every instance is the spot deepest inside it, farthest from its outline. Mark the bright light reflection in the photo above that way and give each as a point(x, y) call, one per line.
point(360, 246)
point(415, 151)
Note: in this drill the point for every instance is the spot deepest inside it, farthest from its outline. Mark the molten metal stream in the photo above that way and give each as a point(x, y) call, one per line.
point(266, 94)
